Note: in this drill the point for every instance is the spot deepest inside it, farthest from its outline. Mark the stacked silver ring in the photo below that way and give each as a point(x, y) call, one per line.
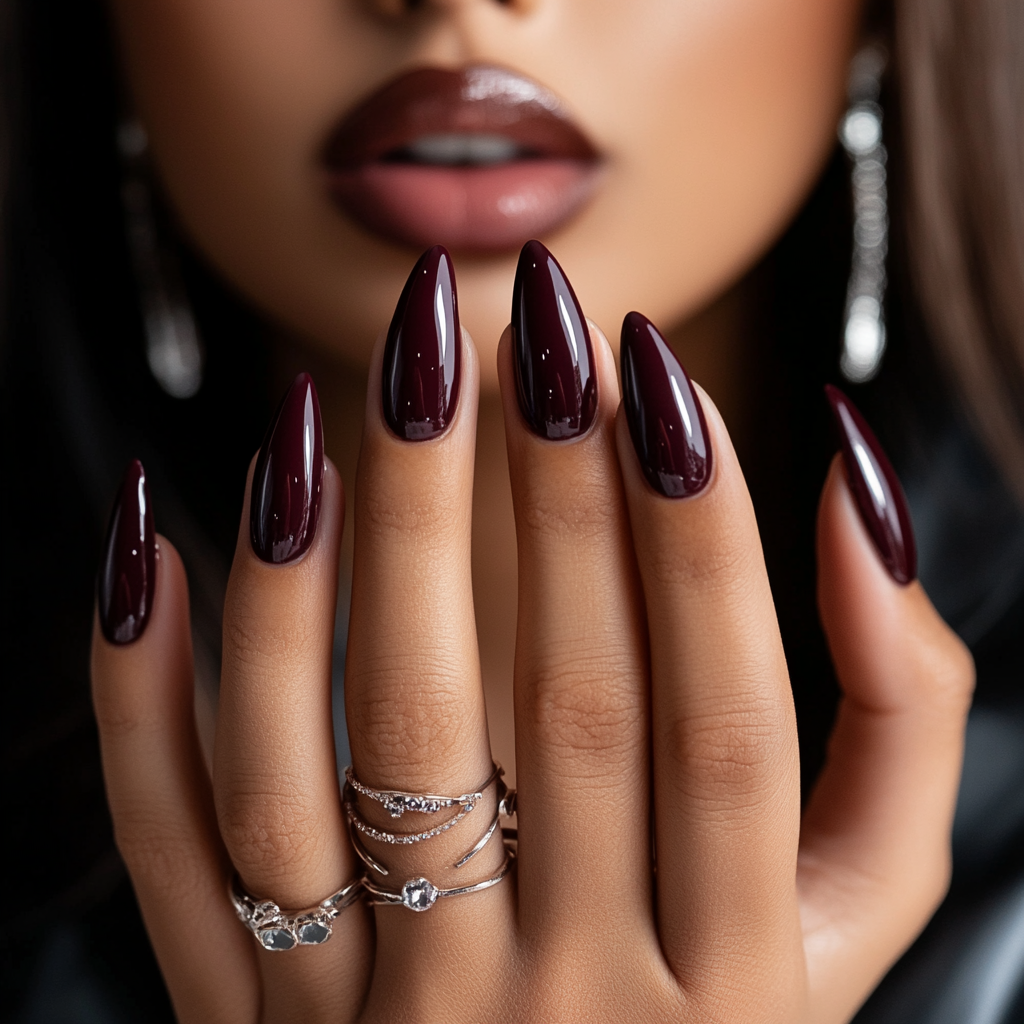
point(420, 894)
point(279, 930)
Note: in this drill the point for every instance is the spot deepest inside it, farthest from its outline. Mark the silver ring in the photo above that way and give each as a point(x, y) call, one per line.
point(424, 803)
point(420, 894)
point(397, 802)
point(279, 930)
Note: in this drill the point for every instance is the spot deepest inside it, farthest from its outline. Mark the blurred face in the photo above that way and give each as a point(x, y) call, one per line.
point(313, 148)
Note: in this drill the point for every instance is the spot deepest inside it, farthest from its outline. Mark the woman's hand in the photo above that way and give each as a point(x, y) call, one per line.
point(654, 725)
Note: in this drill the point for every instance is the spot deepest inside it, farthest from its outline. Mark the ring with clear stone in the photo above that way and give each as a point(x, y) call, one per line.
point(279, 930)
point(420, 894)
point(357, 826)
point(396, 802)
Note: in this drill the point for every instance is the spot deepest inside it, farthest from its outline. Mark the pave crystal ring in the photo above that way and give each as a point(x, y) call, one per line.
point(397, 802)
point(279, 930)
point(420, 894)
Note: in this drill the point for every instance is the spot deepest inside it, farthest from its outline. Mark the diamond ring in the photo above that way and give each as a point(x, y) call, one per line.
point(420, 894)
point(397, 802)
point(279, 930)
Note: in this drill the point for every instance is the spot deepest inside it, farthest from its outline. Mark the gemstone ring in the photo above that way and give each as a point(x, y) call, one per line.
point(279, 930)
point(420, 894)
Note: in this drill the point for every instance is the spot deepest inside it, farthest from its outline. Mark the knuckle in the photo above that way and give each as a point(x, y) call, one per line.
point(254, 640)
point(588, 707)
point(927, 888)
point(722, 564)
point(724, 759)
point(119, 718)
point(388, 516)
point(271, 831)
point(407, 716)
point(584, 514)
point(158, 855)
point(952, 671)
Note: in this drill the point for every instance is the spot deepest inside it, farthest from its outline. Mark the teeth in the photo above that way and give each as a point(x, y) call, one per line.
point(463, 148)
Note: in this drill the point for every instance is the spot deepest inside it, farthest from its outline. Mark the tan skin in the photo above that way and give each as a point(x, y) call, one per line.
point(646, 638)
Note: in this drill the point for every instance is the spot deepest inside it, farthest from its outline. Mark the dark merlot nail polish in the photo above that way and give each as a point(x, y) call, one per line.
point(128, 569)
point(555, 376)
point(286, 485)
point(423, 354)
point(665, 419)
point(875, 486)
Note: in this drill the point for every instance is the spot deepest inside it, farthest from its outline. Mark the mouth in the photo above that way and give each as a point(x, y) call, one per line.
point(480, 160)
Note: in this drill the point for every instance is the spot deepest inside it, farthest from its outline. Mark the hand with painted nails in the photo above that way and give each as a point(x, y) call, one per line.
point(662, 868)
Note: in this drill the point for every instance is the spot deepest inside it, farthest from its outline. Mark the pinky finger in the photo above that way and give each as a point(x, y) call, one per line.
point(158, 789)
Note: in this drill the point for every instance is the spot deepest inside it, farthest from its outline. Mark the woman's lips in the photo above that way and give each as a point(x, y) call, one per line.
point(480, 159)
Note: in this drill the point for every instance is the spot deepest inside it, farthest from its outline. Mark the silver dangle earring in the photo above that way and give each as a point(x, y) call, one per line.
point(174, 351)
point(861, 135)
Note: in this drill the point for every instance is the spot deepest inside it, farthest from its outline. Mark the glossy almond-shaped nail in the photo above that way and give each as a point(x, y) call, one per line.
point(127, 577)
point(423, 353)
point(666, 421)
point(288, 480)
point(555, 377)
point(876, 489)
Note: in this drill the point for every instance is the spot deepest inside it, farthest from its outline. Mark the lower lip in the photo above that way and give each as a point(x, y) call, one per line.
point(477, 209)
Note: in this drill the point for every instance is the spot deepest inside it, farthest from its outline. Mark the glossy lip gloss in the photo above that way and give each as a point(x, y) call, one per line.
point(479, 158)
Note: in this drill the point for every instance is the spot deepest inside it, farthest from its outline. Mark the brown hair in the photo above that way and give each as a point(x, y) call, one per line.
point(961, 71)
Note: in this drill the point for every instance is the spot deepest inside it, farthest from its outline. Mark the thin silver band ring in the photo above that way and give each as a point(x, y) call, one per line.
point(420, 894)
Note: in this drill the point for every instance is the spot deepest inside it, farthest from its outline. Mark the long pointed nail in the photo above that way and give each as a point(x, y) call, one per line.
point(555, 377)
point(127, 576)
point(876, 489)
point(423, 354)
point(286, 486)
point(666, 421)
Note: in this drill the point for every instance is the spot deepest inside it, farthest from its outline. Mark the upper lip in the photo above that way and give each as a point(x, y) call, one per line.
point(477, 114)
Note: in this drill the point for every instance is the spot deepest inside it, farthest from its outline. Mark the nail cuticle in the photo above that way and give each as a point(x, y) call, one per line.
point(288, 479)
point(422, 365)
point(127, 576)
point(665, 417)
point(876, 489)
point(556, 381)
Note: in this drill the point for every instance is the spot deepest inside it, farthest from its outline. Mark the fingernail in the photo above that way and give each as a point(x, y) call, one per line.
point(665, 418)
point(876, 488)
point(128, 568)
point(555, 377)
point(286, 485)
point(423, 354)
